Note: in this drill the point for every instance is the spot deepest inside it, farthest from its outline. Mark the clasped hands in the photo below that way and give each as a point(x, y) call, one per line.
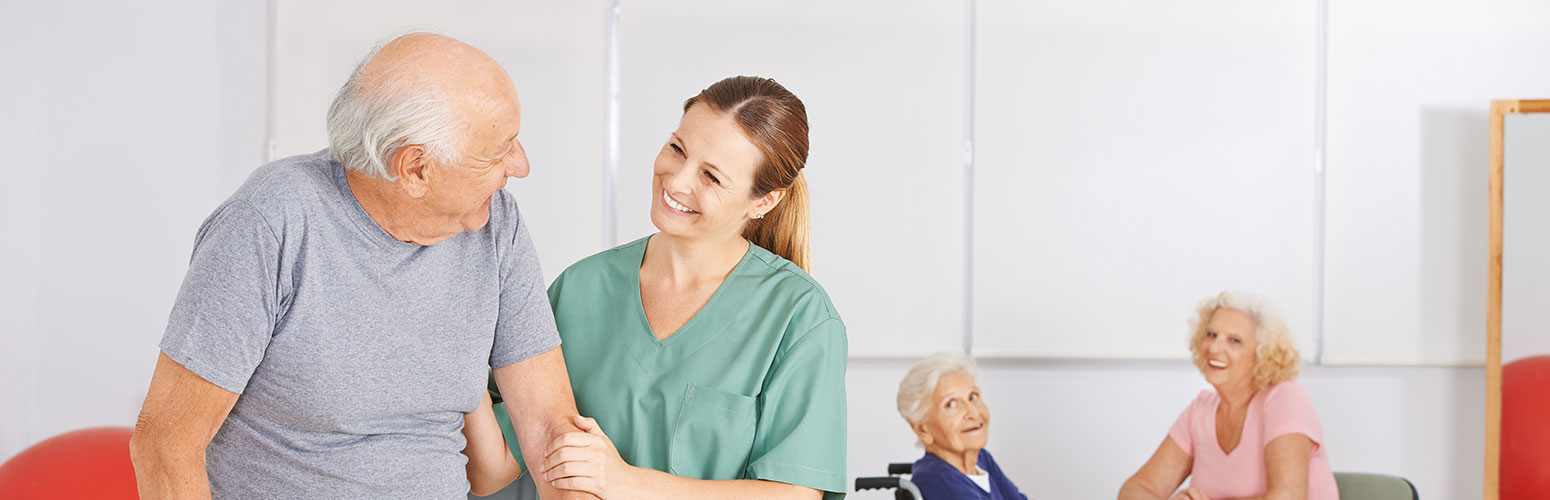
point(1190, 494)
point(587, 461)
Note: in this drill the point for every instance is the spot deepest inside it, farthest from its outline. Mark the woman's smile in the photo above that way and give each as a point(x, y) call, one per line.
point(668, 200)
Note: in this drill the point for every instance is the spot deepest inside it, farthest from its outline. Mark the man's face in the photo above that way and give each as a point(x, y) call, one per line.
point(462, 191)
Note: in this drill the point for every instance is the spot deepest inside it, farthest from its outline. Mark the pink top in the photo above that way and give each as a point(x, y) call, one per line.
point(1282, 409)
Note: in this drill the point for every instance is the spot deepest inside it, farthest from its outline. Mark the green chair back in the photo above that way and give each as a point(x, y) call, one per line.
point(1364, 486)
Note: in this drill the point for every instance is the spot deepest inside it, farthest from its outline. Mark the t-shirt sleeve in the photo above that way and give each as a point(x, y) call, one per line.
point(525, 325)
point(1181, 430)
point(1289, 410)
point(227, 308)
point(800, 435)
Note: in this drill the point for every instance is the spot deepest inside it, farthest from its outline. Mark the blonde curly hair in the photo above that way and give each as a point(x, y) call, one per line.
point(1275, 359)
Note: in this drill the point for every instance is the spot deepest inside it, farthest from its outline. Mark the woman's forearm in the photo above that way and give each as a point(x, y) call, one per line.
point(1135, 490)
point(490, 463)
point(1273, 495)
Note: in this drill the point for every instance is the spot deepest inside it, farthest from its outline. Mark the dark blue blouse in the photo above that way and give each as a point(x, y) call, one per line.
point(939, 480)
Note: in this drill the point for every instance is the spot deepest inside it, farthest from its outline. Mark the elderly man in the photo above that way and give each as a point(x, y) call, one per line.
point(342, 309)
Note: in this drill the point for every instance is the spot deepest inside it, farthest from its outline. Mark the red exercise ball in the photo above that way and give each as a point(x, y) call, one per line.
point(88, 463)
point(1525, 469)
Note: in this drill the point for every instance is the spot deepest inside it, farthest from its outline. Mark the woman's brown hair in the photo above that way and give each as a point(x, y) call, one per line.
point(775, 121)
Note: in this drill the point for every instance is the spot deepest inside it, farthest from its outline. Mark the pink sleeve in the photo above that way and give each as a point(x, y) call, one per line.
point(1289, 410)
point(1180, 432)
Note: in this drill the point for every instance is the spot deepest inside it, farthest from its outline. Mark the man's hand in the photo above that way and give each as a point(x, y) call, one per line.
point(181, 414)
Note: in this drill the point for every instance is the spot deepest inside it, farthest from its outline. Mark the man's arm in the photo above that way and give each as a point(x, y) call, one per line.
point(181, 414)
point(538, 397)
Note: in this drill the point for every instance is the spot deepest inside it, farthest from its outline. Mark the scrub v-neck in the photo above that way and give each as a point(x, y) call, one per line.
point(655, 355)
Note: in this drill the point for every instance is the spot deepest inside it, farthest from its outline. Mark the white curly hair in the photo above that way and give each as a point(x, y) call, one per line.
point(920, 382)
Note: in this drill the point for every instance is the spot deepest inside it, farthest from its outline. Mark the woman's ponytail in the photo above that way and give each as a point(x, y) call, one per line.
point(784, 229)
point(775, 121)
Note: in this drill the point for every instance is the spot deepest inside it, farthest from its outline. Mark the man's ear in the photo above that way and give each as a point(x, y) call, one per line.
point(768, 202)
point(412, 166)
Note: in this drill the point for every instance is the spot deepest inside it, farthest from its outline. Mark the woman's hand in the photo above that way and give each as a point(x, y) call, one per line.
point(587, 461)
point(1190, 494)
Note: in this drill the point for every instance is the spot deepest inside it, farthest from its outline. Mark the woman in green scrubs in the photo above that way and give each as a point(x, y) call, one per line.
point(712, 363)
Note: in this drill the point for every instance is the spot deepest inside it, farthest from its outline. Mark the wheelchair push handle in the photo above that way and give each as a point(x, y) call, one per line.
point(876, 483)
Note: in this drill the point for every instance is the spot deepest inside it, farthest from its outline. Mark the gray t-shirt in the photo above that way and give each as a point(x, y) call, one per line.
point(355, 355)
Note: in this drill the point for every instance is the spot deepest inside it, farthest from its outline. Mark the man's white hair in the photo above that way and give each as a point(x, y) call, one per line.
point(920, 383)
point(370, 121)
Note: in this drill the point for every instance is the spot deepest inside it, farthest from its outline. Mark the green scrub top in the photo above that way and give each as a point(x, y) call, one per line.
point(752, 387)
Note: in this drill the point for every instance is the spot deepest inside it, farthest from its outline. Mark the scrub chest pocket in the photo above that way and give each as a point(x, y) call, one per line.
point(713, 435)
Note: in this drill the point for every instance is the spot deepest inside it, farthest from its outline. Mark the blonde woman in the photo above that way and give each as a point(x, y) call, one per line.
point(1256, 434)
point(713, 364)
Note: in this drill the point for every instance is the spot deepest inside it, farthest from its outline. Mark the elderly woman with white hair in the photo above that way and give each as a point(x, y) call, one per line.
point(941, 401)
point(1256, 435)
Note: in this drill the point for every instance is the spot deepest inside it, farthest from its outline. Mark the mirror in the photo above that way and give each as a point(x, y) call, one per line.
point(1518, 324)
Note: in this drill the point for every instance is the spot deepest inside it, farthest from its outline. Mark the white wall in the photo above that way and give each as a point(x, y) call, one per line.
point(1123, 153)
point(1410, 85)
point(125, 124)
point(123, 138)
point(1140, 153)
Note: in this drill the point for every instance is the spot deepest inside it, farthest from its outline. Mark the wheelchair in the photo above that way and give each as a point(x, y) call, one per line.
point(903, 488)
